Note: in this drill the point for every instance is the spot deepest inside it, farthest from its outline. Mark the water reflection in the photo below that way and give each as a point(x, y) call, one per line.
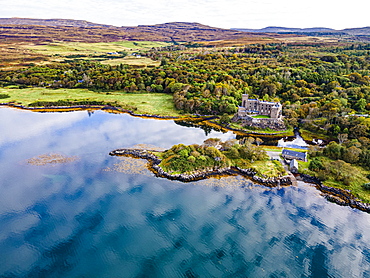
point(77, 220)
point(298, 142)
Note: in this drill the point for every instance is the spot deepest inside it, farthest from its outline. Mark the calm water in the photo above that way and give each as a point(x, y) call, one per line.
point(80, 220)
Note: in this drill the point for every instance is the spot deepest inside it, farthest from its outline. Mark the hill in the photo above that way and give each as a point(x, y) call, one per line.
point(364, 31)
point(275, 29)
point(49, 22)
point(41, 30)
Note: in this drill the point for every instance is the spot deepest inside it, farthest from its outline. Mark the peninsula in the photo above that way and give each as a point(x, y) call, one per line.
point(213, 158)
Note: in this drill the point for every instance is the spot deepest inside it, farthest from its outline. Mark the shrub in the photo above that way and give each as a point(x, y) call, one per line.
point(184, 152)
point(316, 164)
point(191, 159)
point(2, 96)
point(366, 186)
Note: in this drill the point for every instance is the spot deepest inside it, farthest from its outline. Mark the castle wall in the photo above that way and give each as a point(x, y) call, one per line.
point(272, 109)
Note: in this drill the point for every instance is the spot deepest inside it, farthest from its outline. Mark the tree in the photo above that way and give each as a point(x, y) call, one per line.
point(259, 141)
point(361, 104)
point(316, 164)
point(342, 138)
point(352, 154)
point(229, 144)
point(333, 150)
point(211, 142)
point(359, 130)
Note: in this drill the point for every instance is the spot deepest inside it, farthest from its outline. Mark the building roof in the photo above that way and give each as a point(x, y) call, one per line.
point(295, 154)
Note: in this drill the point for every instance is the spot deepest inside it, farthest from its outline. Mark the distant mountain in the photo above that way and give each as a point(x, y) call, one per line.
point(365, 31)
point(49, 22)
point(187, 31)
point(275, 29)
point(26, 29)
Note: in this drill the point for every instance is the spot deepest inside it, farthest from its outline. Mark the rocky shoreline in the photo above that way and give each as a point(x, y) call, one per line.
point(336, 195)
point(154, 162)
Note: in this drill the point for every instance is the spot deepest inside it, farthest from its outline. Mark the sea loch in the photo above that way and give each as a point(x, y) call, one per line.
point(101, 216)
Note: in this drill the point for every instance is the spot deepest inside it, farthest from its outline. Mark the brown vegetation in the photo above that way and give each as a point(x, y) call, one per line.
point(81, 31)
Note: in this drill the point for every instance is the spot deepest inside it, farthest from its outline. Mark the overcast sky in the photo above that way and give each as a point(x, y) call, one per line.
point(217, 13)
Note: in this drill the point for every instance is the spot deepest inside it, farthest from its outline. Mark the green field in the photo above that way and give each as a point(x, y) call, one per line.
point(69, 48)
point(60, 51)
point(261, 117)
point(153, 104)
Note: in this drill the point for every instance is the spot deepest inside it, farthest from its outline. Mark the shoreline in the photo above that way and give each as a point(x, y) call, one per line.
point(154, 162)
point(336, 195)
point(332, 194)
point(205, 119)
point(339, 196)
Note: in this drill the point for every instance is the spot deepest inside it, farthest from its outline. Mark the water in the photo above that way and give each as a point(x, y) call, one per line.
point(298, 142)
point(79, 220)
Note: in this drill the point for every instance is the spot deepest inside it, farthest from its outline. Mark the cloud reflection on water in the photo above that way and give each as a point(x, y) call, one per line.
point(77, 220)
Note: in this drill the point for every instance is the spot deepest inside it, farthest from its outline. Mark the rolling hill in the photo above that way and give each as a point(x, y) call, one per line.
point(317, 30)
point(39, 30)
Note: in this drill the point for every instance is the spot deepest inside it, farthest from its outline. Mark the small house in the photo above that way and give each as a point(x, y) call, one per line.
point(293, 166)
point(288, 154)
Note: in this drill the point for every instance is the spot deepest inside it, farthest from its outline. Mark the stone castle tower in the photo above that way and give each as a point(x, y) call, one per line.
point(258, 107)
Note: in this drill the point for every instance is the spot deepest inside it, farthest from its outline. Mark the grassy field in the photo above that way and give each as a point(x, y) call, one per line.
point(280, 149)
point(261, 117)
point(153, 104)
point(60, 51)
point(75, 48)
point(268, 168)
point(21, 54)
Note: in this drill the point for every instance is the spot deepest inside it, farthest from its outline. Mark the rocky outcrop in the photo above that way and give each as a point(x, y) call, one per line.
point(339, 196)
point(154, 162)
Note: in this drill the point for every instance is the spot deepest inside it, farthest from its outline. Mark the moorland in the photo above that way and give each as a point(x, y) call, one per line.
point(183, 69)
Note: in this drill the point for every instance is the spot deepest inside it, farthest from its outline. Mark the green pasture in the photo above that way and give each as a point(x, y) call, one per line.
point(146, 103)
point(70, 48)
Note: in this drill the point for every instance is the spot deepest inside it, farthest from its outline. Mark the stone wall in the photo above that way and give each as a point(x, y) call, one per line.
point(274, 124)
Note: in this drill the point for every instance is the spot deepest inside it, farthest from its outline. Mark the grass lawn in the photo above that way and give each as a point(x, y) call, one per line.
point(280, 149)
point(146, 103)
point(261, 117)
point(268, 168)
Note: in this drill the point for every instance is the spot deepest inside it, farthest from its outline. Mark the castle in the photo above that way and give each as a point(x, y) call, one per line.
point(252, 107)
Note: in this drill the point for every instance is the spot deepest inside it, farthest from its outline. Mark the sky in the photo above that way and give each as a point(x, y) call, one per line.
point(217, 13)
